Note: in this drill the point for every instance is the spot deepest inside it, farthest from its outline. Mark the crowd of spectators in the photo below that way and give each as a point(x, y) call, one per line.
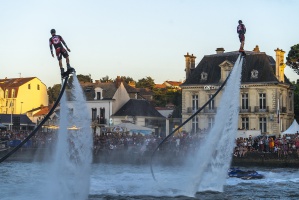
point(178, 145)
point(281, 145)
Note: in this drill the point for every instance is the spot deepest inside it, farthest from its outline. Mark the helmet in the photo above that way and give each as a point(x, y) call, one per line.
point(240, 21)
point(52, 31)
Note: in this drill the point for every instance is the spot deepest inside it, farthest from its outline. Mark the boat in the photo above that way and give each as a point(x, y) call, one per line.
point(246, 175)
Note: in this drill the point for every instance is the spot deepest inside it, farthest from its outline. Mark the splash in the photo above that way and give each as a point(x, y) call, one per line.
point(69, 172)
point(209, 167)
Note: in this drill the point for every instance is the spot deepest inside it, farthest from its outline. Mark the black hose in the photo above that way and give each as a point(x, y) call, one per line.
point(40, 124)
point(164, 140)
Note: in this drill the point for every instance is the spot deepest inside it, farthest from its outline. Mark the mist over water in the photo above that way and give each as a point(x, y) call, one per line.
point(69, 171)
point(208, 168)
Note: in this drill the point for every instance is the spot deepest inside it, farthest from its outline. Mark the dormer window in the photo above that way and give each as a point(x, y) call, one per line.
point(226, 67)
point(98, 93)
point(203, 76)
point(13, 93)
point(254, 74)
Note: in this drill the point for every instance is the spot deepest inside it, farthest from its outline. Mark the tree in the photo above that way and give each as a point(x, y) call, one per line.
point(81, 78)
point(126, 79)
point(147, 82)
point(293, 58)
point(53, 92)
point(106, 79)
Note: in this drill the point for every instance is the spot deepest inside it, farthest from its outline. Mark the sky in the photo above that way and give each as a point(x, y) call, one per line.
point(137, 38)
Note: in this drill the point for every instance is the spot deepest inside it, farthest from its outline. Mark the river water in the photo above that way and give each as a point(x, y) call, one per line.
point(22, 181)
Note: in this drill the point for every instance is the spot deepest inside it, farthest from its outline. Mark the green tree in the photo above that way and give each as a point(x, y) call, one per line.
point(293, 58)
point(147, 82)
point(53, 92)
point(126, 79)
point(81, 78)
point(106, 79)
point(296, 101)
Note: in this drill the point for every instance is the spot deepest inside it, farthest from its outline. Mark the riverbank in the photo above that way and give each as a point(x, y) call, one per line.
point(252, 159)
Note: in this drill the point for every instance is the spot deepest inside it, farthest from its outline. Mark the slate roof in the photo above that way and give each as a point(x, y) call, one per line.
point(264, 64)
point(109, 89)
point(6, 119)
point(138, 107)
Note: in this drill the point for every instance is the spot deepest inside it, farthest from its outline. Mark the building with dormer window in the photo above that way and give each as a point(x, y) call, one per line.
point(18, 95)
point(266, 95)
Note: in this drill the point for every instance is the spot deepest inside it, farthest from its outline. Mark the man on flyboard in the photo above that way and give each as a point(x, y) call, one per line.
point(57, 41)
point(241, 30)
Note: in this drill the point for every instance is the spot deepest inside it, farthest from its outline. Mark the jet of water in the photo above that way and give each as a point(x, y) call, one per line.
point(208, 170)
point(69, 173)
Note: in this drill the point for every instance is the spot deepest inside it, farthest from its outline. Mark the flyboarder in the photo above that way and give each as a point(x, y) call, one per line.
point(241, 30)
point(57, 41)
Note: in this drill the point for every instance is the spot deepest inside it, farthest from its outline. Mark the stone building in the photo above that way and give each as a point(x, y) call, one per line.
point(266, 94)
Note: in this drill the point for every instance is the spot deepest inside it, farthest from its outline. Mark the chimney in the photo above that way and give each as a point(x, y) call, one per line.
point(220, 50)
point(279, 65)
point(187, 65)
point(256, 49)
point(118, 81)
point(192, 57)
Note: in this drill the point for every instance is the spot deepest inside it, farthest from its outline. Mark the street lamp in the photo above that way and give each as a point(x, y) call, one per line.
point(11, 109)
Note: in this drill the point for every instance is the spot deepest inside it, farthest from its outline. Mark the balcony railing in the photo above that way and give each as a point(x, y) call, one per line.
point(245, 110)
point(210, 110)
point(258, 109)
point(191, 110)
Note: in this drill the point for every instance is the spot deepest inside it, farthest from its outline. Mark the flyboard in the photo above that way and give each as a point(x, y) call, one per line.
point(187, 120)
point(64, 83)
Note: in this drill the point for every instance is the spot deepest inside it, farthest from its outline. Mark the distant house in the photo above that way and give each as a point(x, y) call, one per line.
point(18, 95)
point(141, 113)
point(170, 85)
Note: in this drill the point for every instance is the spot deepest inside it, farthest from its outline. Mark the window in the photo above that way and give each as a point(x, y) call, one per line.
point(211, 122)
point(98, 95)
point(244, 101)
point(13, 93)
point(93, 114)
point(6, 93)
point(38, 87)
point(245, 123)
point(29, 86)
point(102, 116)
point(263, 124)
point(195, 124)
point(212, 103)
point(263, 101)
point(194, 102)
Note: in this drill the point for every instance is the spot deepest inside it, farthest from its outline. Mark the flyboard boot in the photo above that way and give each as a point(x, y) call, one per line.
point(62, 73)
point(241, 50)
point(70, 70)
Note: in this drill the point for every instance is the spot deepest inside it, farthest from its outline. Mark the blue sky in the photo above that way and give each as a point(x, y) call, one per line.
point(137, 38)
